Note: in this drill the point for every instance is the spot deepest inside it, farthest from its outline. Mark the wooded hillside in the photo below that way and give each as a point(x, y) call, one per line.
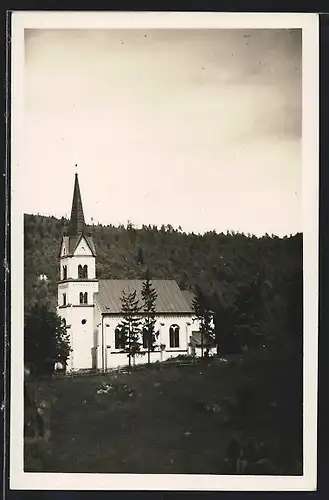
point(265, 273)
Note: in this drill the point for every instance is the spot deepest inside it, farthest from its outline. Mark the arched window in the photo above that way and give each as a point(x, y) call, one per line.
point(63, 322)
point(85, 298)
point(120, 338)
point(82, 272)
point(81, 298)
point(174, 336)
point(146, 338)
point(64, 299)
point(64, 272)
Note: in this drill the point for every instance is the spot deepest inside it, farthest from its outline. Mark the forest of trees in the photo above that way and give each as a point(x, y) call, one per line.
point(253, 285)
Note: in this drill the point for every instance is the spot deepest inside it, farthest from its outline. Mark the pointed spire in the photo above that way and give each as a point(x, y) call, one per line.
point(77, 222)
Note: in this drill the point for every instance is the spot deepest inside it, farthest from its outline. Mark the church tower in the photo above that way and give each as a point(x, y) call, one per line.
point(77, 286)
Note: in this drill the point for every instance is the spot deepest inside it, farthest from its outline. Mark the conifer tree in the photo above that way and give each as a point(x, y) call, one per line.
point(46, 340)
point(203, 313)
point(130, 324)
point(149, 295)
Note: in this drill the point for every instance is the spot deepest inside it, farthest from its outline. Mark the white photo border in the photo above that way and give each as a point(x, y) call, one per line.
point(308, 23)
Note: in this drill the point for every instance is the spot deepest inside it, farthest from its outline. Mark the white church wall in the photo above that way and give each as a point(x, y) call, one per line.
point(80, 260)
point(97, 337)
point(110, 357)
point(72, 264)
point(80, 320)
point(93, 342)
point(73, 290)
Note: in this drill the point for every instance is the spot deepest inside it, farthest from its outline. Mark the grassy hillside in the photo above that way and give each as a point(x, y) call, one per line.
point(174, 419)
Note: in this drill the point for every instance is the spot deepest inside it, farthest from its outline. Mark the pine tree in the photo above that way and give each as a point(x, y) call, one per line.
point(149, 295)
point(131, 324)
point(203, 313)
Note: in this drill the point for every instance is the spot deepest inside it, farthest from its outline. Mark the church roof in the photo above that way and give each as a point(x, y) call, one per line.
point(189, 296)
point(77, 222)
point(170, 298)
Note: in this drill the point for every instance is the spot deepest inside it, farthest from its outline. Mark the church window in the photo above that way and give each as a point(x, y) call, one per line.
point(83, 321)
point(63, 322)
point(145, 338)
point(174, 336)
point(64, 272)
point(64, 299)
point(83, 298)
point(120, 338)
point(82, 272)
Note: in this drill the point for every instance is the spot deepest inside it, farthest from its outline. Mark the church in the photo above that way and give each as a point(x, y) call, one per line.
point(91, 308)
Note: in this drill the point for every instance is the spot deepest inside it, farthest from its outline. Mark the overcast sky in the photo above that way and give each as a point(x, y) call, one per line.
point(197, 128)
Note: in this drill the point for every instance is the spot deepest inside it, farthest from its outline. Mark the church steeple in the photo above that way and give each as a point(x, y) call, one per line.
point(77, 285)
point(77, 222)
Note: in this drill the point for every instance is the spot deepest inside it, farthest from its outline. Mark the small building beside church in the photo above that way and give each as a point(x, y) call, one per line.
point(91, 308)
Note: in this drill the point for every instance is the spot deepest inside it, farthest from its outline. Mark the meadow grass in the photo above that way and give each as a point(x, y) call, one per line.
point(173, 419)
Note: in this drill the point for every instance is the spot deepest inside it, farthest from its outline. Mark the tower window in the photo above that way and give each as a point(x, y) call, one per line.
point(83, 321)
point(174, 336)
point(64, 299)
point(120, 338)
point(64, 272)
point(83, 298)
point(82, 272)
